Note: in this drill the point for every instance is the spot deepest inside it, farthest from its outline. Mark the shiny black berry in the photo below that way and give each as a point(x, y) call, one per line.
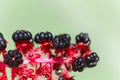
point(13, 58)
point(78, 64)
point(61, 41)
point(22, 35)
point(3, 43)
point(83, 38)
point(91, 60)
point(43, 37)
point(67, 36)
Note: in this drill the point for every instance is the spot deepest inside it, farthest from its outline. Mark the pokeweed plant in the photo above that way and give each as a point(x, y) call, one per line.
point(61, 56)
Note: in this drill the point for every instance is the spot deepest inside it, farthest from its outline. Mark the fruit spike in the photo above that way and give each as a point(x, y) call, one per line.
point(55, 54)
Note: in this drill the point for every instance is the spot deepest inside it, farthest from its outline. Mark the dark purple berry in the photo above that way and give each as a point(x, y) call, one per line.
point(21, 35)
point(3, 43)
point(61, 41)
point(25, 35)
point(29, 35)
point(67, 36)
point(83, 38)
point(37, 38)
point(13, 58)
point(78, 64)
point(91, 60)
point(49, 36)
point(15, 37)
point(43, 37)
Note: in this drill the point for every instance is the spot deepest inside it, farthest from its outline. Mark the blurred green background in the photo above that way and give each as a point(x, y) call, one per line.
point(99, 18)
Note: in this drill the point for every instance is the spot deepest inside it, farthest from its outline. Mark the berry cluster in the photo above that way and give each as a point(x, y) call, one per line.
point(54, 54)
point(88, 61)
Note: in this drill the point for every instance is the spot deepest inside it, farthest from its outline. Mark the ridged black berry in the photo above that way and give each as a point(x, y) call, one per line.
point(22, 35)
point(3, 42)
point(61, 41)
point(43, 37)
point(91, 60)
point(78, 64)
point(83, 38)
point(13, 58)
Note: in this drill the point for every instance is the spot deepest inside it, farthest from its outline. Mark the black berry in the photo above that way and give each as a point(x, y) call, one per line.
point(29, 35)
point(43, 37)
point(22, 35)
point(61, 41)
point(78, 64)
point(83, 38)
point(67, 36)
point(13, 58)
point(3, 42)
point(91, 60)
